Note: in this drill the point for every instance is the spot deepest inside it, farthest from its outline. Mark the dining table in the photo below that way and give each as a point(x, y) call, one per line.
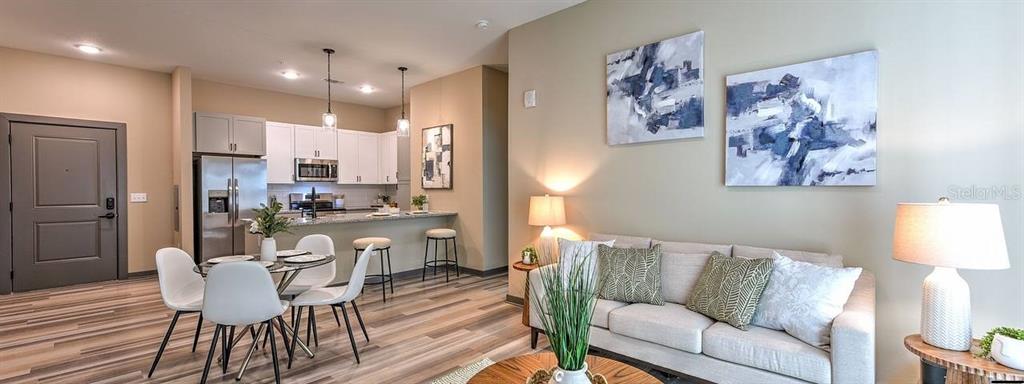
point(288, 271)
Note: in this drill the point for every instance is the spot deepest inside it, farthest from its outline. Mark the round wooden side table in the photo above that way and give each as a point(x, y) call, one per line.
point(520, 266)
point(518, 369)
point(961, 367)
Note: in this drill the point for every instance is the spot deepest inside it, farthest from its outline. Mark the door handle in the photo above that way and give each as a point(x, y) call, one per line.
point(109, 215)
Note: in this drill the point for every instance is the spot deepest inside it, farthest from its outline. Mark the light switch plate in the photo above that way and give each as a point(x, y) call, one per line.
point(139, 197)
point(530, 98)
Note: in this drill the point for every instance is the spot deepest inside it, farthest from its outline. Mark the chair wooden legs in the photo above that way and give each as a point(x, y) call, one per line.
point(351, 338)
point(360, 318)
point(209, 355)
point(199, 327)
point(167, 336)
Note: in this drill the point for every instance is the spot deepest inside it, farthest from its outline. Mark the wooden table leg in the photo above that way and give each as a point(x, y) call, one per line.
point(526, 302)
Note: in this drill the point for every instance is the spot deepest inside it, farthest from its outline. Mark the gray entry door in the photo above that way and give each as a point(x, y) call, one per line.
point(63, 184)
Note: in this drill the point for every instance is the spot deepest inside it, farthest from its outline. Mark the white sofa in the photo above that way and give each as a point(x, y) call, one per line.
point(677, 340)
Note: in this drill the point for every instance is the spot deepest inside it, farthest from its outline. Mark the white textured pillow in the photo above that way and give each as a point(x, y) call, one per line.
point(803, 299)
point(570, 250)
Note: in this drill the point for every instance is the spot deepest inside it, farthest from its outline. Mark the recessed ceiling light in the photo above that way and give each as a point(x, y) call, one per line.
point(290, 74)
point(482, 24)
point(366, 88)
point(87, 48)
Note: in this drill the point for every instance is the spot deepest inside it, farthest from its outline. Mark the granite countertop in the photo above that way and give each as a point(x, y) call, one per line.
point(359, 217)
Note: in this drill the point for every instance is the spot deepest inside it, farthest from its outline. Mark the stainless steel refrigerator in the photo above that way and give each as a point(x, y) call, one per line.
point(227, 189)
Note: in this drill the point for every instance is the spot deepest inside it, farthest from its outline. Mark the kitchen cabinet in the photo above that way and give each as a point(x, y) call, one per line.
point(358, 161)
point(280, 153)
point(388, 154)
point(229, 134)
point(315, 142)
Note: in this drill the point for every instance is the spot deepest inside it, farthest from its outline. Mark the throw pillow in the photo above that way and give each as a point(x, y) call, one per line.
point(728, 289)
point(803, 298)
point(578, 252)
point(630, 275)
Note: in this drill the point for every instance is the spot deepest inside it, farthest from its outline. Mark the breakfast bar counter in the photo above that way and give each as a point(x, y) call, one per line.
point(359, 217)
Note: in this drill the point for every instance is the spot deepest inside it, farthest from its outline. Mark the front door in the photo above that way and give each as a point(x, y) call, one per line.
point(63, 187)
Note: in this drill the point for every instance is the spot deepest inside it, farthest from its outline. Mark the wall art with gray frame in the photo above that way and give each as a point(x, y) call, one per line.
point(437, 157)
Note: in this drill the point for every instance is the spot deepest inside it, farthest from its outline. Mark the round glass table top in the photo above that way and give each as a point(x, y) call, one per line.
point(279, 266)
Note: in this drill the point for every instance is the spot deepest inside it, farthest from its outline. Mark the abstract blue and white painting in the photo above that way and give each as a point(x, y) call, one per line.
point(811, 123)
point(656, 91)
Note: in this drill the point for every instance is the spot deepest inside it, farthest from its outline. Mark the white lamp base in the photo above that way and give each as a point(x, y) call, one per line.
point(548, 245)
point(946, 310)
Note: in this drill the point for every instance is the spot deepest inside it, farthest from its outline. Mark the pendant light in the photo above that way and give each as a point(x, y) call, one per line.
point(330, 120)
point(403, 123)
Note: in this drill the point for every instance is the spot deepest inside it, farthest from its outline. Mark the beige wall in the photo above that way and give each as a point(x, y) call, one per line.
point(950, 114)
point(210, 96)
point(495, 163)
point(181, 153)
point(458, 99)
point(38, 84)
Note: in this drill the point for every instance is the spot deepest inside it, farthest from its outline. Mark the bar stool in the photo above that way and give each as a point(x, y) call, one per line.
point(441, 234)
point(382, 246)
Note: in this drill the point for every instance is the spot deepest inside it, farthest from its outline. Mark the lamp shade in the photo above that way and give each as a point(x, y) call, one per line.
point(547, 210)
point(964, 236)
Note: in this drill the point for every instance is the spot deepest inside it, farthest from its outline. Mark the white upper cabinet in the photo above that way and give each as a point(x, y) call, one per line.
point(315, 142)
point(388, 155)
point(358, 159)
point(369, 162)
point(280, 153)
point(229, 134)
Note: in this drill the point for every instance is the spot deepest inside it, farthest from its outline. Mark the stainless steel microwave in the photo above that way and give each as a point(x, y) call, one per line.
point(316, 170)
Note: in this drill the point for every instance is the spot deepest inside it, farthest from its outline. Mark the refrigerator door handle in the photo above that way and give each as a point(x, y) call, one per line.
point(231, 203)
point(236, 202)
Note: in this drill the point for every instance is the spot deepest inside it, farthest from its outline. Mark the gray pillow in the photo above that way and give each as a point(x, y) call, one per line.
point(630, 275)
point(729, 288)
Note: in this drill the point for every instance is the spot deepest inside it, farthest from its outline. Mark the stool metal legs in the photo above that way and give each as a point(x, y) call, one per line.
point(386, 279)
point(447, 263)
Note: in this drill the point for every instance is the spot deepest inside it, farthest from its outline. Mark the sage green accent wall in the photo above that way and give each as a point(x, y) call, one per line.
point(951, 116)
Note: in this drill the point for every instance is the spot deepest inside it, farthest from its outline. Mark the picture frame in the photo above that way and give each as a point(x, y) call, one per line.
point(436, 159)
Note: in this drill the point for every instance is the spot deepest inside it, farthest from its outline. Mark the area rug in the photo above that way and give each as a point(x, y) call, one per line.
point(462, 375)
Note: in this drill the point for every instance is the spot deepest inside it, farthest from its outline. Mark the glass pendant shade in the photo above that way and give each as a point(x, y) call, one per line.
point(403, 127)
point(330, 120)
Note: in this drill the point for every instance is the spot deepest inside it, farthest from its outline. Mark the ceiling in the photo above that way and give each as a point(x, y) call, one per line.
point(250, 43)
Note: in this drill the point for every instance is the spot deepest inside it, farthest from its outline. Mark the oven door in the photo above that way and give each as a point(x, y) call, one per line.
point(316, 170)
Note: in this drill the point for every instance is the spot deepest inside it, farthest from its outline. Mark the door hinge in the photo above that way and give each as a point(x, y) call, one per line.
point(10, 207)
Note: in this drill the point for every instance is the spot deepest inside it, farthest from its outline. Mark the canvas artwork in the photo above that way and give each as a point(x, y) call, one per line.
point(437, 157)
point(804, 124)
point(656, 91)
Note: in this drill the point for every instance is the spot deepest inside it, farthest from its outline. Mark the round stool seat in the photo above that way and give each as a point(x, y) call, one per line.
point(378, 242)
point(441, 233)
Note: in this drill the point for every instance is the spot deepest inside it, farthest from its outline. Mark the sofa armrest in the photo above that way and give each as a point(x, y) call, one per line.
point(537, 295)
point(853, 335)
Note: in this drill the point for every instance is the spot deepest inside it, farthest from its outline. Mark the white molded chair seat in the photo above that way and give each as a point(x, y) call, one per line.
point(181, 289)
point(313, 277)
point(377, 242)
point(441, 233)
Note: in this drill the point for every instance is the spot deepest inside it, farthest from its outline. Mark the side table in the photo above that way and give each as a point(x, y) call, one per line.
point(520, 266)
point(961, 367)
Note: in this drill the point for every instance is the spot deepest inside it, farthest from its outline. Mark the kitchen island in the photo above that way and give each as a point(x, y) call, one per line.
point(406, 231)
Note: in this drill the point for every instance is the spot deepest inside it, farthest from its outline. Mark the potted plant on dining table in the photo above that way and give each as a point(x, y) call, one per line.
point(570, 294)
point(268, 223)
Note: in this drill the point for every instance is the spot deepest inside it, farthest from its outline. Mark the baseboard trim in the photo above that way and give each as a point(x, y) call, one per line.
point(419, 273)
point(485, 273)
point(514, 300)
point(132, 275)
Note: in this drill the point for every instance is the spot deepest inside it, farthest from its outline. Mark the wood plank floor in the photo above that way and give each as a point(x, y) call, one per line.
point(109, 333)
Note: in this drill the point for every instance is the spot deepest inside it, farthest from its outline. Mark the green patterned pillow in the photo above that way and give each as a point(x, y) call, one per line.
point(729, 287)
point(630, 275)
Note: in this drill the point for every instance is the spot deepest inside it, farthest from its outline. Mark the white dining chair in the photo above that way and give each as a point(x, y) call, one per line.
point(336, 297)
point(181, 289)
point(318, 277)
point(242, 294)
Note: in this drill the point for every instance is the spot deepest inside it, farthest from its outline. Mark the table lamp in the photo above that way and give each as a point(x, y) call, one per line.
point(949, 236)
point(547, 211)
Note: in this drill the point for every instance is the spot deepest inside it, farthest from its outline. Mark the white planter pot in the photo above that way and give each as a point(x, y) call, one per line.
point(268, 249)
point(426, 207)
point(1008, 351)
point(561, 376)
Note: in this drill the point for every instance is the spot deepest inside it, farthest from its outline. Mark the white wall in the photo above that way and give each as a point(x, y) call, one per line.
point(951, 113)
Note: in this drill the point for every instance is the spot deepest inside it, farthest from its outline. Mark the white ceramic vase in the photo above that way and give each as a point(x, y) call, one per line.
point(268, 249)
point(1008, 351)
point(561, 376)
point(426, 207)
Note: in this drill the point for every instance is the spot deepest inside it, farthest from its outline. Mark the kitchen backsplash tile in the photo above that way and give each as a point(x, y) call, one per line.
point(356, 196)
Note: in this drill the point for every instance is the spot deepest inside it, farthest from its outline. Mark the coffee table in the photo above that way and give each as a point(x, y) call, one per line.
point(518, 369)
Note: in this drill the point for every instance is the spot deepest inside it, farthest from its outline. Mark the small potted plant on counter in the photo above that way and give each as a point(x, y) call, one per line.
point(267, 224)
point(420, 202)
point(1004, 345)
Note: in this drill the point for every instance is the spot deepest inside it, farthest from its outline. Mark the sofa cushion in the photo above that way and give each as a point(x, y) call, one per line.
point(769, 350)
point(601, 311)
point(580, 254)
point(728, 288)
point(623, 241)
point(630, 275)
point(671, 325)
point(681, 264)
point(809, 257)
